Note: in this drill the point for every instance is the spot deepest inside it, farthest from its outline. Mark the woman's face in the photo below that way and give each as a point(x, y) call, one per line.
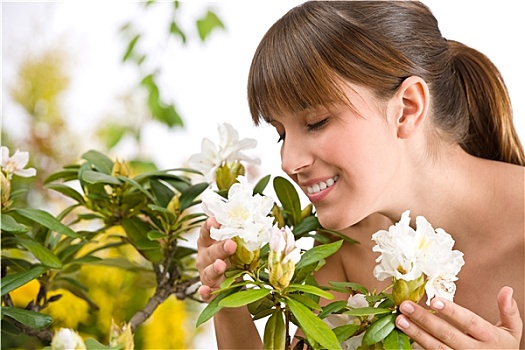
point(345, 160)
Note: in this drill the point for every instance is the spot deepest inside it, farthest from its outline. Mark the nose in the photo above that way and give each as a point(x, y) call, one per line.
point(295, 156)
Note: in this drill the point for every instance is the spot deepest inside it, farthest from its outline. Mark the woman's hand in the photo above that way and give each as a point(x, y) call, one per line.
point(212, 259)
point(471, 331)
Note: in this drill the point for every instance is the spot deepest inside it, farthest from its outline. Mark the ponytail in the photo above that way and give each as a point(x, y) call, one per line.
point(491, 133)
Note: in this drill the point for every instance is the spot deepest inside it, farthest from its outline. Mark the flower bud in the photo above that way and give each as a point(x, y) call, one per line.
point(408, 290)
point(307, 211)
point(282, 257)
point(226, 175)
point(278, 216)
point(174, 204)
point(120, 168)
point(67, 339)
point(244, 259)
point(5, 190)
point(121, 337)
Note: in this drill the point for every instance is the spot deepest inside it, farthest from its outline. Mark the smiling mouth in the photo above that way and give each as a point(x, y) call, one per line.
point(318, 187)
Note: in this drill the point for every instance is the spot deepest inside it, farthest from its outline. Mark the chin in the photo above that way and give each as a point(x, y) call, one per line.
point(334, 222)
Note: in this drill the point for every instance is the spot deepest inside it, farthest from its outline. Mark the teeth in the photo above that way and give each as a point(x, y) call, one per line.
point(318, 187)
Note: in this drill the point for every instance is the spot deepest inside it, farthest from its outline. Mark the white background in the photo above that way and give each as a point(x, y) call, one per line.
point(207, 82)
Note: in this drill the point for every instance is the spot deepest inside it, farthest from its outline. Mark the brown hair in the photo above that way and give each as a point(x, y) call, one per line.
point(306, 54)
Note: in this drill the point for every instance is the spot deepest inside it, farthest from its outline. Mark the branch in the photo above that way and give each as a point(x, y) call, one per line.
point(162, 292)
point(44, 335)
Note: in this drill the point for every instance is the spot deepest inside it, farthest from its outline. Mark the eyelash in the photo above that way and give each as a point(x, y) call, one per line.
point(318, 125)
point(310, 127)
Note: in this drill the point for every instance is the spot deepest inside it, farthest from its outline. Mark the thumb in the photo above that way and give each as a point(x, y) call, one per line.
point(509, 313)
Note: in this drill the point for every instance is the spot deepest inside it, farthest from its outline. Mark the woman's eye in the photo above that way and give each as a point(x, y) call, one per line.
point(281, 137)
point(318, 125)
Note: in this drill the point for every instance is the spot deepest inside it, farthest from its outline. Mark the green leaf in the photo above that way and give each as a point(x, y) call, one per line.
point(213, 307)
point(310, 289)
point(230, 279)
point(131, 46)
point(100, 161)
point(379, 330)
point(351, 285)
point(306, 301)
point(64, 175)
point(162, 193)
point(29, 318)
point(367, 311)
point(93, 344)
point(176, 31)
point(153, 235)
point(261, 306)
point(244, 297)
point(188, 196)
point(137, 231)
point(47, 220)
point(317, 253)
point(261, 185)
point(308, 224)
point(68, 192)
point(136, 185)
point(15, 280)
point(275, 332)
point(397, 340)
point(112, 133)
point(333, 307)
point(207, 24)
point(313, 326)
point(44, 255)
point(94, 177)
point(9, 224)
point(344, 332)
point(289, 198)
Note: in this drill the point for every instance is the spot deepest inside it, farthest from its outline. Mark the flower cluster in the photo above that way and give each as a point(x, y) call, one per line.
point(224, 158)
point(417, 260)
point(243, 217)
point(10, 166)
point(16, 164)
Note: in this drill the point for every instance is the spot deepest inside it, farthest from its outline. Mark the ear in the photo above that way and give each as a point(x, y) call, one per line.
point(413, 99)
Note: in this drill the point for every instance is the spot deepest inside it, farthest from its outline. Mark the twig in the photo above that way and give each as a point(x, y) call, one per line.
point(162, 292)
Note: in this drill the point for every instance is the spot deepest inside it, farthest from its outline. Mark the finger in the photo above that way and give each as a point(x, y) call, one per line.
point(205, 293)
point(220, 250)
point(464, 319)
point(428, 330)
point(418, 334)
point(509, 313)
point(213, 275)
point(204, 234)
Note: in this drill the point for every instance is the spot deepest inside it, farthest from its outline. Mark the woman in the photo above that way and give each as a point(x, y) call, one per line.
point(371, 96)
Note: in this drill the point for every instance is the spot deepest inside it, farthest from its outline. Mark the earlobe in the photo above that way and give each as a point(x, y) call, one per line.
point(413, 97)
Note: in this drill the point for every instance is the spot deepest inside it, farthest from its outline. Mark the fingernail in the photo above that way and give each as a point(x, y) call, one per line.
point(407, 308)
point(403, 323)
point(438, 305)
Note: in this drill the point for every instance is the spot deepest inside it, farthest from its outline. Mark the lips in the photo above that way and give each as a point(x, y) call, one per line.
point(321, 185)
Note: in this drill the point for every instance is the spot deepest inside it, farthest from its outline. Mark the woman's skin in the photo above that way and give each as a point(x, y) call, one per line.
point(387, 157)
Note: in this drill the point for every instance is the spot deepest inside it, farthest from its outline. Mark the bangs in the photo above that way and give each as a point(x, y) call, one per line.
point(289, 74)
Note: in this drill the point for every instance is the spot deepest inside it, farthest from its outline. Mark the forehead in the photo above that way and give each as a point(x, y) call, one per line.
point(356, 98)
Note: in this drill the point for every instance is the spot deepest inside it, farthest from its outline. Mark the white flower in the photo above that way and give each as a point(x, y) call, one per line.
point(229, 150)
point(407, 254)
point(282, 242)
point(243, 214)
point(16, 163)
point(283, 257)
point(67, 339)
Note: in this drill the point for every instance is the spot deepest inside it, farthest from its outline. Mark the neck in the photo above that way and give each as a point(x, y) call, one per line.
point(442, 190)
